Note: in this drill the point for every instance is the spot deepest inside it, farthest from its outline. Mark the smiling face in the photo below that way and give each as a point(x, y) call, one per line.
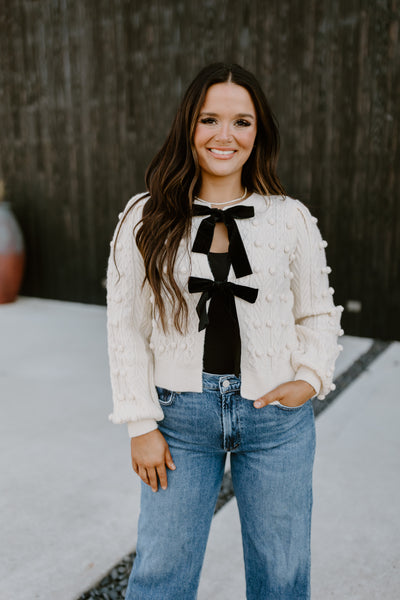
point(225, 132)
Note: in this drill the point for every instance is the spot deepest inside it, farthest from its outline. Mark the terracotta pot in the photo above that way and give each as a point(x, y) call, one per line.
point(12, 255)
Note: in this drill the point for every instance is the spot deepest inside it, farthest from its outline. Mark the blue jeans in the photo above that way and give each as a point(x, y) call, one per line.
point(272, 455)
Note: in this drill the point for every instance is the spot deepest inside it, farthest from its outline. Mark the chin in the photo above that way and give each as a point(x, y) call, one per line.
point(222, 173)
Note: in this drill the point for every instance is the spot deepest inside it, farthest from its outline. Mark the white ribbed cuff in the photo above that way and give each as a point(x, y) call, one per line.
point(136, 428)
point(306, 374)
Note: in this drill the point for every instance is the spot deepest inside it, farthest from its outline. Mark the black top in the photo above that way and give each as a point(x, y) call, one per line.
point(222, 338)
point(222, 344)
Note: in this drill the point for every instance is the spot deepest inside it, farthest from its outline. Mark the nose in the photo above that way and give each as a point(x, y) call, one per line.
point(224, 133)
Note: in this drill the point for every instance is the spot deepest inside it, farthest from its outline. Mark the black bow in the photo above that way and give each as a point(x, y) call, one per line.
point(209, 287)
point(237, 252)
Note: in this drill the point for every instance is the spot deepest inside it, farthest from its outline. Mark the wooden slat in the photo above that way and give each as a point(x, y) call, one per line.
point(88, 91)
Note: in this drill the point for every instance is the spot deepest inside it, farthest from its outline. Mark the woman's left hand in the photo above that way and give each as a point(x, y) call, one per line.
point(291, 393)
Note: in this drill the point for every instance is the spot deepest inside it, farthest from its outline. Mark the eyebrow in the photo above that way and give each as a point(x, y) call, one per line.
point(238, 116)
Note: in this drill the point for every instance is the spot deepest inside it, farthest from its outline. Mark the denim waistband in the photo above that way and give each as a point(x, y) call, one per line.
point(215, 381)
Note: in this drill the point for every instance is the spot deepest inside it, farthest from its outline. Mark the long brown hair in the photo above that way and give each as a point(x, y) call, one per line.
point(173, 178)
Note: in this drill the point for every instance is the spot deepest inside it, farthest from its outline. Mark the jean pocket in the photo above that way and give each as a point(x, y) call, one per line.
point(290, 408)
point(165, 397)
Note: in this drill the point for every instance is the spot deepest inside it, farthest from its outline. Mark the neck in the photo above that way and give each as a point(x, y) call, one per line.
point(218, 192)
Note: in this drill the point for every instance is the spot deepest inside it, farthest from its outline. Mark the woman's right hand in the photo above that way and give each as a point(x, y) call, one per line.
point(150, 457)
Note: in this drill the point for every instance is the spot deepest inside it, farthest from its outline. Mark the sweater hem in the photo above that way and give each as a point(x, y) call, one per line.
point(254, 382)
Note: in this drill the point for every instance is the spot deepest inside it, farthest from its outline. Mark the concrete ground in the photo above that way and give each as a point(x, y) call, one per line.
point(69, 500)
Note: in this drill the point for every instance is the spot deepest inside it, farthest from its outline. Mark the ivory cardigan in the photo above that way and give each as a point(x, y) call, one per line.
point(289, 333)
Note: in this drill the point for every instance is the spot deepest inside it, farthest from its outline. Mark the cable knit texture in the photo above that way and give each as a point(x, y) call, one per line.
point(289, 333)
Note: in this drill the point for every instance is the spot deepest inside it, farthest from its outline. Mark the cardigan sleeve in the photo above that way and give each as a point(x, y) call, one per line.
point(317, 319)
point(129, 322)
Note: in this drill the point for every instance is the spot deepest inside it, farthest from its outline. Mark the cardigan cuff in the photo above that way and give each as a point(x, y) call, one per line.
point(306, 374)
point(136, 428)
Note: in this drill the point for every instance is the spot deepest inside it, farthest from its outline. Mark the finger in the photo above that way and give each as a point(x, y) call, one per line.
point(168, 460)
point(143, 475)
point(151, 472)
point(135, 467)
point(260, 403)
point(266, 399)
point(162, 476)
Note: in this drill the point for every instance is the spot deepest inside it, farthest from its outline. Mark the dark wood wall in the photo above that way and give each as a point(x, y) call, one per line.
point(89, 87)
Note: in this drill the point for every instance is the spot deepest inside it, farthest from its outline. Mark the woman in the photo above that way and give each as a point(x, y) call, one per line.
point(221, 328)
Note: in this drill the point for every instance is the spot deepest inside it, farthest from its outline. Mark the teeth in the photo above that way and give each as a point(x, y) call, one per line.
point(224, 152)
